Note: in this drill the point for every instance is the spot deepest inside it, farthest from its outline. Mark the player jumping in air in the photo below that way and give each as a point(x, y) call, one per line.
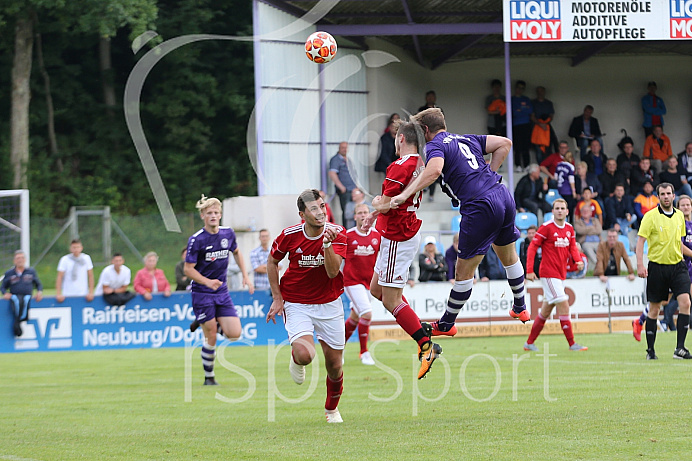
point(206, 264)
point(400, 229)
point(557, 240)
point(309, 293)
point(487, 207)
point(361, 255)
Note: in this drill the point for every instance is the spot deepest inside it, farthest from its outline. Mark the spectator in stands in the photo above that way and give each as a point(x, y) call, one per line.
point(584, 179)
point(491, 268)
point(387, 149)
point(75, 274)
point(330, 215)
point(17, 287)
point(430, 101)
point(530, 192)
point(596, 210)
point(182, 281)
point(654, 109)
point(584, 128)
point(114, 282)
point(646, 200)
point(497, 110)
point(150, 280)
point(595, 159)
point(619, 212)
point(357, 197)
point(672, 174)
point(392, 118)
point(685, 160)
point(339, 173)
point(521, 126)
point(258, 260)
point(550, 163)
point(610, 178)
point(451, 257)
point(573, 271)
point(609, 256)
point(542, 115)
point(566, 183)
point(588, 231)
point(431, 264)
point(642, 175)
point(524, 248)
point(657, 148)
point(627, 160)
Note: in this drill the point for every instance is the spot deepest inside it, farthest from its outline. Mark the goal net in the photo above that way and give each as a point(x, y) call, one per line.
point(14, 226)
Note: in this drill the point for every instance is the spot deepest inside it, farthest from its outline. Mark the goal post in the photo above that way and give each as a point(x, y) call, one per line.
point(14, 226)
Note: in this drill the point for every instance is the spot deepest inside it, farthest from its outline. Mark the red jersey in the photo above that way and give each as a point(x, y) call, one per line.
point(361, 254)
point(401, 224)
point(306, 280)
point(558, 244)
point(551, 162)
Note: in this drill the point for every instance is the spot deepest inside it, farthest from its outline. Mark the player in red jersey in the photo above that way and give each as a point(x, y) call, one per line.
point(309, 293)
point(556, 238)
point(400, 229)
point(361, 254)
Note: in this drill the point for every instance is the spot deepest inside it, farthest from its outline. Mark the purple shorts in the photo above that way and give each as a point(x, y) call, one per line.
point(210, 306)
point(487, 220)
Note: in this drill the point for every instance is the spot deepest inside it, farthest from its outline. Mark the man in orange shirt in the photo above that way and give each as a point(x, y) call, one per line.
point(596, 209)
point(645, 201)
point(657, 148)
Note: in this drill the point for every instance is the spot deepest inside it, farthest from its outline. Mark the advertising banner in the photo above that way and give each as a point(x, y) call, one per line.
point(606, 20)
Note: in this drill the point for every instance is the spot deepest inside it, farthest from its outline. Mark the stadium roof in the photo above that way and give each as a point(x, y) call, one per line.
point(438, 31)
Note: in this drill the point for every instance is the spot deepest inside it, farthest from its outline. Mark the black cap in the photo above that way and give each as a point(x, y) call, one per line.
point(652, 83)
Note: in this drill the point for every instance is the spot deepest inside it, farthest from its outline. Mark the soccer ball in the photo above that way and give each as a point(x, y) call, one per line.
point(320, 47)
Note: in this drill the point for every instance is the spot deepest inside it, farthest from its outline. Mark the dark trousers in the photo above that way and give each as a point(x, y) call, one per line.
point(119, 299)
point(521, 135)
point(344, 198)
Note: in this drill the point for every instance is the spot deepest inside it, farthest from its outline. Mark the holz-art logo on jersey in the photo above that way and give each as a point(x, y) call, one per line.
point(535, 20)
point(47, 328)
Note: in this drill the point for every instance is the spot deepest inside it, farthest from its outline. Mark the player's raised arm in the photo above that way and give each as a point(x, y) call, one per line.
point(499, 147)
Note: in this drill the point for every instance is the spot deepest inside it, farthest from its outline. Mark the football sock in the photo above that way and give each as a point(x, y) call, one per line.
point(515, 278)
point(644, 315)
point(683, 325)
point(566, 326)
point(334, 389)
point(409, 321)
point(461, 292)
point(650, 332)
point(363, 332)
point(350, 327)
point(536, 328)
point(208, 354)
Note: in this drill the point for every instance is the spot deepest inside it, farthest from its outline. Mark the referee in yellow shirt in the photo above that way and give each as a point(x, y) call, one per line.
point(664, 228)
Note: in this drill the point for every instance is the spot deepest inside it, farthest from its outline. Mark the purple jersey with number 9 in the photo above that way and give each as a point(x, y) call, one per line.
point(465, 174)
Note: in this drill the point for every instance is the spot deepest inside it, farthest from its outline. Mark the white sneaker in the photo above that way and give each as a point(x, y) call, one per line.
point(518, 169)
point(333, 416)
point(297, 372)
point(366, 358)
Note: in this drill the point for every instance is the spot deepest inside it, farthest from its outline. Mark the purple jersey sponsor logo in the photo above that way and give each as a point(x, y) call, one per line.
point(209, 253)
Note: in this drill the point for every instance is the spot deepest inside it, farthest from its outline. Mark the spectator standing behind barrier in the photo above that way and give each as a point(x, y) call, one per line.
point(258, 260)
point(114, 281)
point(430, 101)
point(530, 192)
point(609, 255)
point(584, 128)
point(75, 274)
point(182, 281)
point(543, 112)
point(451, 257)
point(432, 265)
point(491, 268)
point(654, 109)
point(150, 280)
point(17, 286)
point(339, 173)
point(524, 247)
point(522, 109)
point(588, 231)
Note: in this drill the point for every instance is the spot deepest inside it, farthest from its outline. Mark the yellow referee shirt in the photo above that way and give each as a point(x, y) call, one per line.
point(664, 234)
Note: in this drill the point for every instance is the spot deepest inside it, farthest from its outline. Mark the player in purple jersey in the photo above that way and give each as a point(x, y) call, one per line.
point(206, 264)
point(487, 208)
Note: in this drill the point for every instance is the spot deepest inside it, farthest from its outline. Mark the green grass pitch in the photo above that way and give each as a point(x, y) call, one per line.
point(606, 403)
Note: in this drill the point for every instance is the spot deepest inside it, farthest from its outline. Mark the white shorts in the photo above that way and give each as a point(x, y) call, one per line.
point(394, 261)
point(554, 290)
point(360, 299)
point(327, 320)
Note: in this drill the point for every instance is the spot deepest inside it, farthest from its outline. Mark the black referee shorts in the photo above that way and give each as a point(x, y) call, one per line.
point(664, 278)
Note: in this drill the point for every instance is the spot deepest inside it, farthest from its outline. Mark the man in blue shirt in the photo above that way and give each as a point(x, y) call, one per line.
point(341, 177)
point(522, 109)
point(654, 109)
point(20, 282)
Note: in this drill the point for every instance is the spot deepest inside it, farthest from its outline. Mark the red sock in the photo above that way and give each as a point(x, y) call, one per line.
point(566, 325)
point(409, 321)
point(334, 390)
point(536, 329)
point(363, 331)
point(350, 327)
